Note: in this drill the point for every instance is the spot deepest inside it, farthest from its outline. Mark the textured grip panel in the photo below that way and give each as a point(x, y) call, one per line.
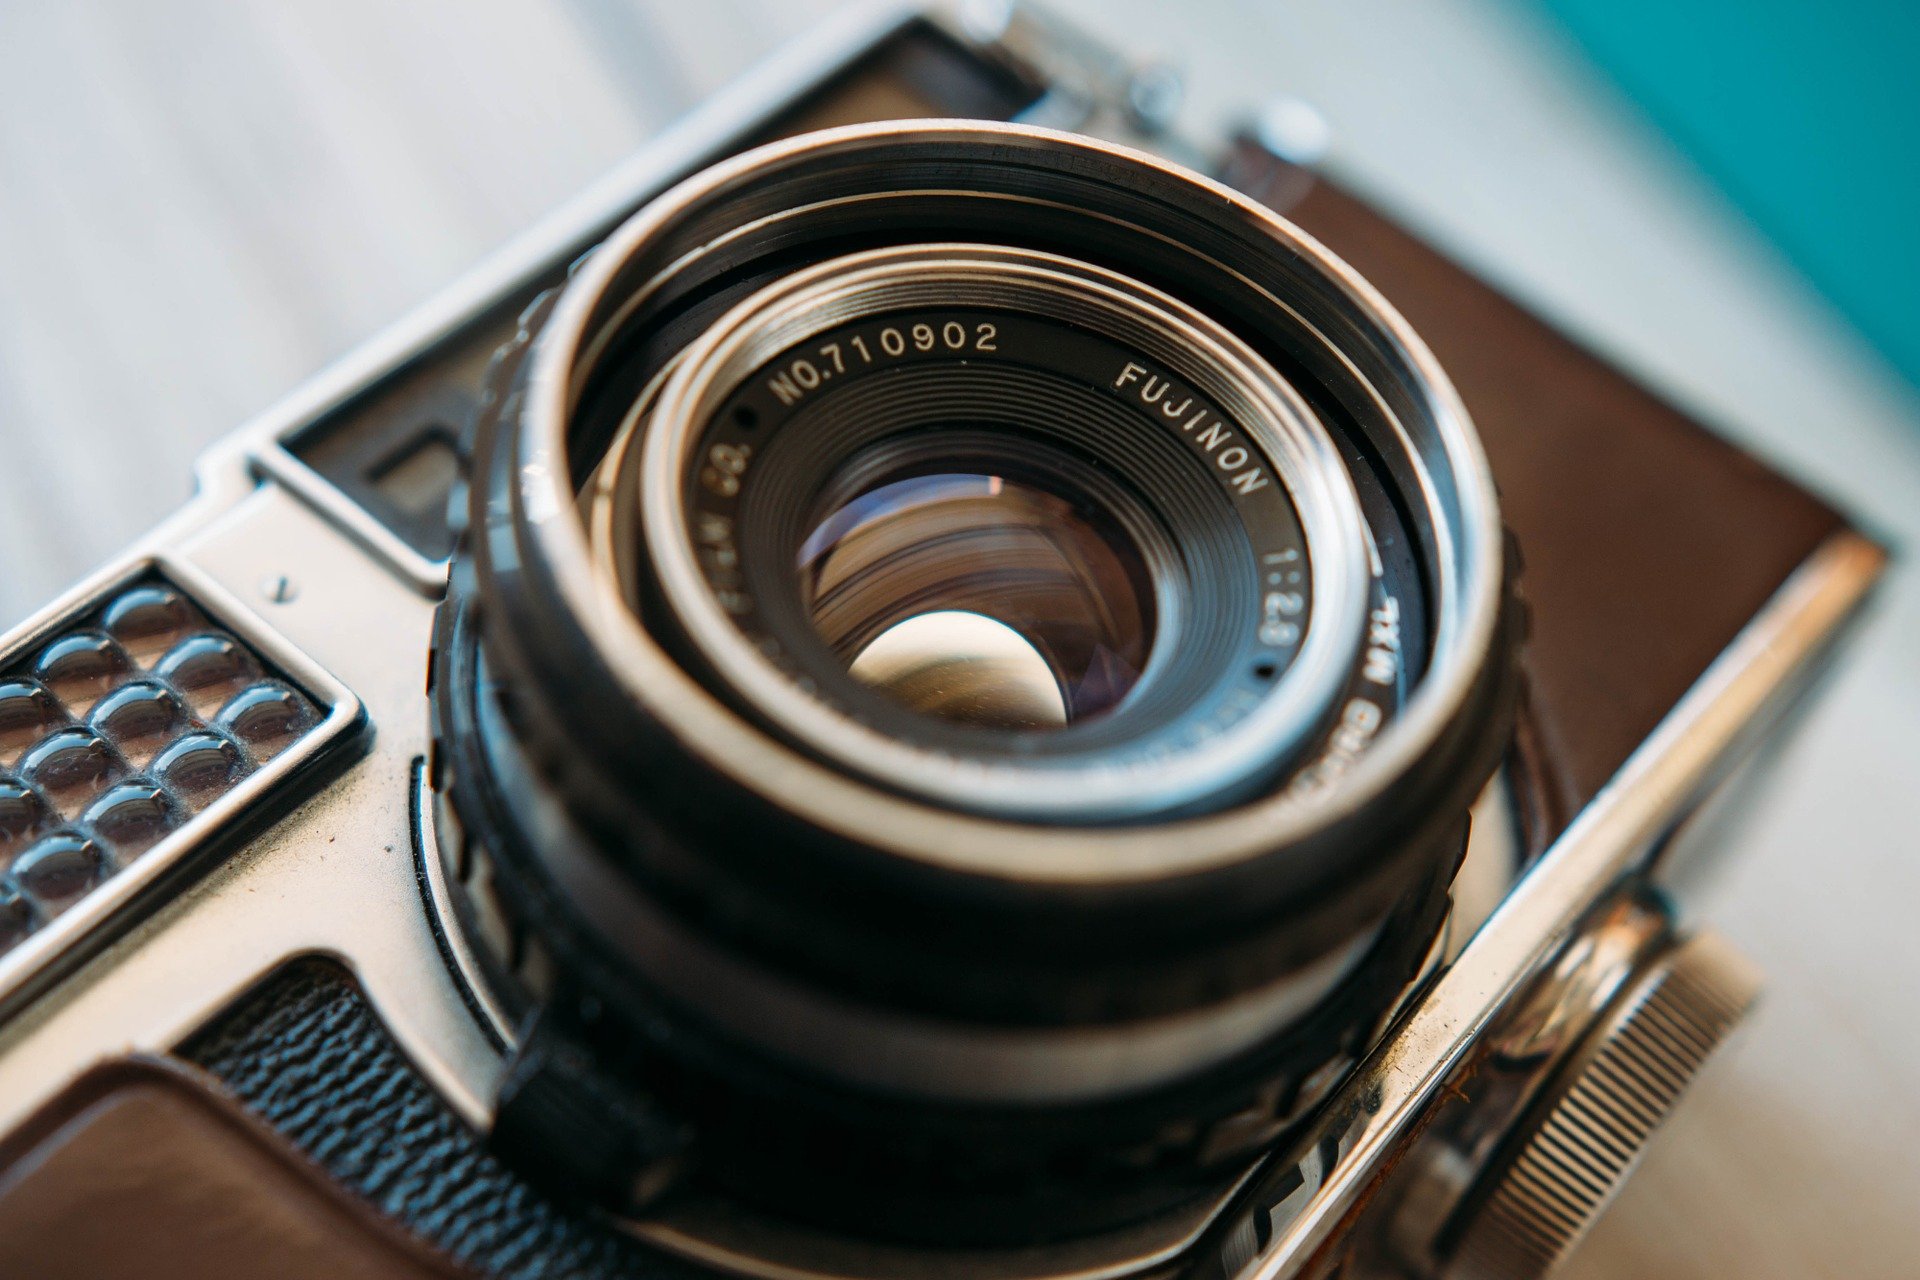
point(115, 733)
point(307, 1053)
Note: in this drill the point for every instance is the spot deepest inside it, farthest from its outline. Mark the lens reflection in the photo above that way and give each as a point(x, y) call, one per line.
point(966, 668)
point(981, 599)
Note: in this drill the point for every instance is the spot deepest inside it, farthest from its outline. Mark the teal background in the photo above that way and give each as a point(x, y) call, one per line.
point(1807, 115)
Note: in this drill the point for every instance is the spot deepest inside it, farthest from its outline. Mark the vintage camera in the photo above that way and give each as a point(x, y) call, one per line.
point(909, 688)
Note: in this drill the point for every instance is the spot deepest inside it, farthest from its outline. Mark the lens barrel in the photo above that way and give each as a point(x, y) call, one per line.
point(968, 659)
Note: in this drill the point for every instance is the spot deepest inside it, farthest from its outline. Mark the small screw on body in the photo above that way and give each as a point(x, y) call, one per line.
point(279, 589)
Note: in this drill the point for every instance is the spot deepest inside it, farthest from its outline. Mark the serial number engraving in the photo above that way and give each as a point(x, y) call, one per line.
point(790, 382)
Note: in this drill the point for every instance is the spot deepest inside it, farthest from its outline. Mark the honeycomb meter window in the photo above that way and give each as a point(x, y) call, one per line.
point(115, 733)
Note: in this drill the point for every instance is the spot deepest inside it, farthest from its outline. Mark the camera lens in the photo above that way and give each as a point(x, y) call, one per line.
point(961, 685)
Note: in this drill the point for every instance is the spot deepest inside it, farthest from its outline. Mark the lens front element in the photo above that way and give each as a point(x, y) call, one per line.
point(980, 599)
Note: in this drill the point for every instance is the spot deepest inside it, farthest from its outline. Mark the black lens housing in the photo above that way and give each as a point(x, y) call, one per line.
point(607, 822)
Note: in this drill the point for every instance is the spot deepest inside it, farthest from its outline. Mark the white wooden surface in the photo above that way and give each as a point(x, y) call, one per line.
point(202, 202)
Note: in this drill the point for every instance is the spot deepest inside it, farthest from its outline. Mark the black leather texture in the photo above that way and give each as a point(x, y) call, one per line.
point(306, 1053)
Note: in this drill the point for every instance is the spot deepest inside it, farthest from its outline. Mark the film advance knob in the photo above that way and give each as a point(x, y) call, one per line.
point(1582, 1140)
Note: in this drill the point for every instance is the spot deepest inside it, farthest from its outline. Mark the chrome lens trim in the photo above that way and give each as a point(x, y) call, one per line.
point(1220, 366)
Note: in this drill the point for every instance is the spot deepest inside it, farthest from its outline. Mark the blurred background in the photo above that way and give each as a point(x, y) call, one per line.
point(203, 202)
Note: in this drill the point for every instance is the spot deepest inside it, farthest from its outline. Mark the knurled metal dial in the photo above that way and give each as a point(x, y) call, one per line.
point(1585, 1136)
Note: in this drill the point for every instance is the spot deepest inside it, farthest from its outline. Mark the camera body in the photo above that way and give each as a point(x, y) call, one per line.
point(245, 889)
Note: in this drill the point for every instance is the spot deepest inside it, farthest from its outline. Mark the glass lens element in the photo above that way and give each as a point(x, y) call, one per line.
point(980, 599)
